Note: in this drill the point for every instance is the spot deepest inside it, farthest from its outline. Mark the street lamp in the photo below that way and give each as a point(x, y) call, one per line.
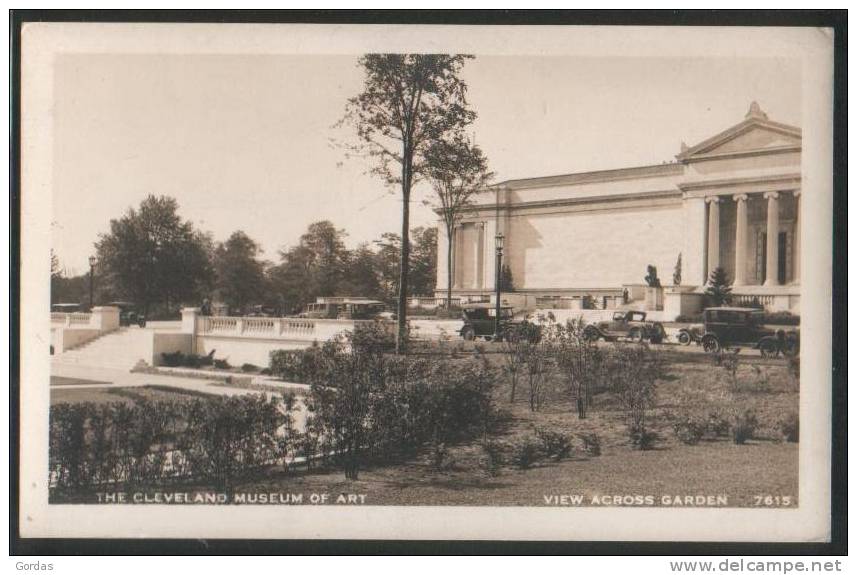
point(498, 245)
point(92, 262)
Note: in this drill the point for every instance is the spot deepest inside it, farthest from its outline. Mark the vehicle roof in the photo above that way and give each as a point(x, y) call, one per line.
point(734, 308)
point(65, 305)
point(121, 303)
point(484, 306)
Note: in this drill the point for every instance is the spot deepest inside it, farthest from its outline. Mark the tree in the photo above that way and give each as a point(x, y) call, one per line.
point(152, 256)
point(424, 267)
point(507, 283)
point(240, 275)
point(677, 271)
point(718, 288)
point(317, 266)
point(458, 171)
point(363, 278)
point(408, 102)
point(424, 262)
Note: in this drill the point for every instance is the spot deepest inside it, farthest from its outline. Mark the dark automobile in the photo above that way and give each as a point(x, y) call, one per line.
point(479, 322)
point(128, 314)
point(690, 334)
point(626, 324)
point(740, 327)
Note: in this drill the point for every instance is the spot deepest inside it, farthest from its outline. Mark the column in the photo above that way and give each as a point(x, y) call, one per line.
point(456, 271)
point(713, 233)
point(740, 239)
point(796, 241)
point(478, 252)
point(442, 245)
point(772, 268)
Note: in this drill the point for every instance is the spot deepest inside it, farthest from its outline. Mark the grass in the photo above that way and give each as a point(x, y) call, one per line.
point(127, 395)
point(764, 466)
point(58, 380)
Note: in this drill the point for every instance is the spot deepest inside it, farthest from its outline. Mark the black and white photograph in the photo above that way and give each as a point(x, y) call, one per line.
point(421, 282)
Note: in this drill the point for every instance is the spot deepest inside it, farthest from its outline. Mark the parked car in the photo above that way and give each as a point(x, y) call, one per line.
point(629, 324)
point(738, 327)
point(691, 334)
point(128, 314)
point(479, 322)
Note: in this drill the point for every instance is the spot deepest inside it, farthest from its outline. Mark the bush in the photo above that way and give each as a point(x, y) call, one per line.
point(249, 367)
point(555, 445)
point(790, 427)
point(591, 444)
point(641, 437)
point(689, 318)
point(492, 457)
point(301, 366)
point(221, 364)
point(717, 424)
point(151, 443)
point(526, 452)
point(175, 359)
point(744, 426)
point(690, 429)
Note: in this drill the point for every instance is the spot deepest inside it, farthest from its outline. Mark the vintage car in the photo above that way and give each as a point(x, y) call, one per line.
point(66, 307)
point(691, 334)
point(479, 322)
point(128, 314)
point(744, 327)
point(626, 324)
point(345, 308)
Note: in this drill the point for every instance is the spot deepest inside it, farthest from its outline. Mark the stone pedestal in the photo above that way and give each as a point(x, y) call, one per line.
point(104, 318)
point(654, 298)
point(189, 315)
point(682, 300)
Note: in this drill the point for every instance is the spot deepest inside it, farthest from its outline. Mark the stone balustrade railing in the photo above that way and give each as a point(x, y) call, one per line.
point(70, 319)
point(285, 328)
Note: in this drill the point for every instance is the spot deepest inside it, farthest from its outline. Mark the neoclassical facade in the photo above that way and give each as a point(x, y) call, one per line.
point(732, 200)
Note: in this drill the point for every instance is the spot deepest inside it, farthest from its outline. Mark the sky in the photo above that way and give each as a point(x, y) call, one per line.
point(247, 142)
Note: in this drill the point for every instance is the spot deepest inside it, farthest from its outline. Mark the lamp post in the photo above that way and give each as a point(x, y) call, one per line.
point(92, 262)
point(498, 246)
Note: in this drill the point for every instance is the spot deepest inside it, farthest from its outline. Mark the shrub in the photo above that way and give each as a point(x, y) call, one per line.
point(790, 427)
point(151, 443)
point(690, 429)
point(591, 444)
point(492, 457)
point(717, 424)
point(221, 364)
point(526, 452)
point(174, 359)
point(633, 372)
point(555, 445)
point(744, 426)
point(641, 437)
point(441, 458)
point(249, 367)
point(689, 318)
point(265, 371)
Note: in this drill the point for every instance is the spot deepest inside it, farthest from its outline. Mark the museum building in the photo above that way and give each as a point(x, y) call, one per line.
point(731, 201)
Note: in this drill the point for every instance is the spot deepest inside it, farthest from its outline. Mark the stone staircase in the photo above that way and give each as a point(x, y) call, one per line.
point(121, 349)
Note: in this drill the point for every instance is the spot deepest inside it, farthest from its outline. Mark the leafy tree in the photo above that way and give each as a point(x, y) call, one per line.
point(719, 288)
point(317, 266)
point(424, 262)
point(240, 274)
point(424, 266)
point(363, 278)
point(408, 102)
point(151, 256)
point(677, 271)
point(458, 171)
point(507, 283)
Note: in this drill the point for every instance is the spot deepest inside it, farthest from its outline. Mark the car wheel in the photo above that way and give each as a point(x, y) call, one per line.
point(769, 348)
point(684, 338)
point(468, 333)
point(635, 335)
point(710, 344)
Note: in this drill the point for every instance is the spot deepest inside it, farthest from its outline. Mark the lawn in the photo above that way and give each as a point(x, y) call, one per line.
point(716, 466)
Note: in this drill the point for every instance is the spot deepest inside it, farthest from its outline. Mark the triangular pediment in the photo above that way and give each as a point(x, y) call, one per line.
point(756, 134)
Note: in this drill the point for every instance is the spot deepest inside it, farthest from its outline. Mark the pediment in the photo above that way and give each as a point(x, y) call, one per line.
point(755, 135)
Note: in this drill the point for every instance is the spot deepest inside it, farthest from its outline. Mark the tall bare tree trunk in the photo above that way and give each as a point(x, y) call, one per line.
point(402, 327)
